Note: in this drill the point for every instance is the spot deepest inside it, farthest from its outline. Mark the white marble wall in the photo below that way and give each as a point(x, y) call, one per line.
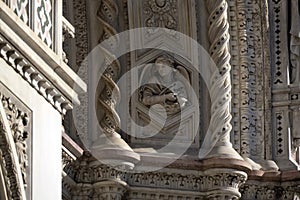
point(46, 136)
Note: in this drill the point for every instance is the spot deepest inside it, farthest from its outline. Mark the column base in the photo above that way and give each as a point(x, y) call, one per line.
point(115, 152)
point(223, 152)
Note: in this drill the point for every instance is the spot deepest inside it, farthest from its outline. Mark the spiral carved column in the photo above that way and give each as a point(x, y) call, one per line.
point(217, 141)
point(110, 147)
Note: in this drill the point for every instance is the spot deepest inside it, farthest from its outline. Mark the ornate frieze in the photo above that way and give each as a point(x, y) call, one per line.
point(270, 190)
point(168, 182)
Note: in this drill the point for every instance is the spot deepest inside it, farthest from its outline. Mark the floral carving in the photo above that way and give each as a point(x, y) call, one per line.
point(247, 61)
point(161, 13)
point(18, 121)
point(14, 134)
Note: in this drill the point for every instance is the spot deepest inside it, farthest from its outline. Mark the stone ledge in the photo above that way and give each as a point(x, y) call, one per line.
point(37, 63)
point(22, 34)
point(71, 145)
point(276, 176)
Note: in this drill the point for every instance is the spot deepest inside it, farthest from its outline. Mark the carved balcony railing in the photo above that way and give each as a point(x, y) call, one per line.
point(45, 18)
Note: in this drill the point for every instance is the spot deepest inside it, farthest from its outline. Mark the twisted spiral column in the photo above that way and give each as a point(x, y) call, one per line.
point(217, 141)
point(110, 147)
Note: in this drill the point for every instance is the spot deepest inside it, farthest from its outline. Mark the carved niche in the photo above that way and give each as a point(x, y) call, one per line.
point(19, 119)
point(162, 109)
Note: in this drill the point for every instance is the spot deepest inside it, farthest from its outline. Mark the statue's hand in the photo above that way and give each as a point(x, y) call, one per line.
point(170, 97)
point(182, 101)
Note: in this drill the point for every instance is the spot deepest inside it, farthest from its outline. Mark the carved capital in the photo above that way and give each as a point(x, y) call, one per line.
point(108, 190)
point(224, 184)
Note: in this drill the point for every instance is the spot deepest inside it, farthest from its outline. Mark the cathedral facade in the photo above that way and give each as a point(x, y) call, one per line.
point(149, 99)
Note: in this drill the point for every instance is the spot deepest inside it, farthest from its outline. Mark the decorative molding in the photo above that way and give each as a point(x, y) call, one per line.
point(80, 24)
point(270, 190)
point(248, 50)
point(32, 75)
point(19, 39)
point(279, 27)
point(188, 183)
point(137, 193)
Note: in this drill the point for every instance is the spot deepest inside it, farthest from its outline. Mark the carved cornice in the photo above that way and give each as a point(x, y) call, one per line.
point(33, 76)
point(38, 64)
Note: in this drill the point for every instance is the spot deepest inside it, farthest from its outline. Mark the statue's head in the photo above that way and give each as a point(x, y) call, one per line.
point(164, 65)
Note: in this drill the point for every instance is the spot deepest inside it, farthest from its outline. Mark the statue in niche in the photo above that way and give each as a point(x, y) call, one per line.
point(165, 85)
point(295, 41)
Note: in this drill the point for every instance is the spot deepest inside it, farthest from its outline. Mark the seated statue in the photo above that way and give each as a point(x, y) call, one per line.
point(166, 86)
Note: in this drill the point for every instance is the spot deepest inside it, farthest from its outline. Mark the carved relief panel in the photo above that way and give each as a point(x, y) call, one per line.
point(162, 108)
point(19, 120)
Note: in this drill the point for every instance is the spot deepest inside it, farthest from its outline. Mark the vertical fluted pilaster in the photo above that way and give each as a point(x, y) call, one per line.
point(218, 136)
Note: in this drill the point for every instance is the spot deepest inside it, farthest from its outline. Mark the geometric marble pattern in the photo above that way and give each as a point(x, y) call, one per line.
point(21, 8)
point(43, 20)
